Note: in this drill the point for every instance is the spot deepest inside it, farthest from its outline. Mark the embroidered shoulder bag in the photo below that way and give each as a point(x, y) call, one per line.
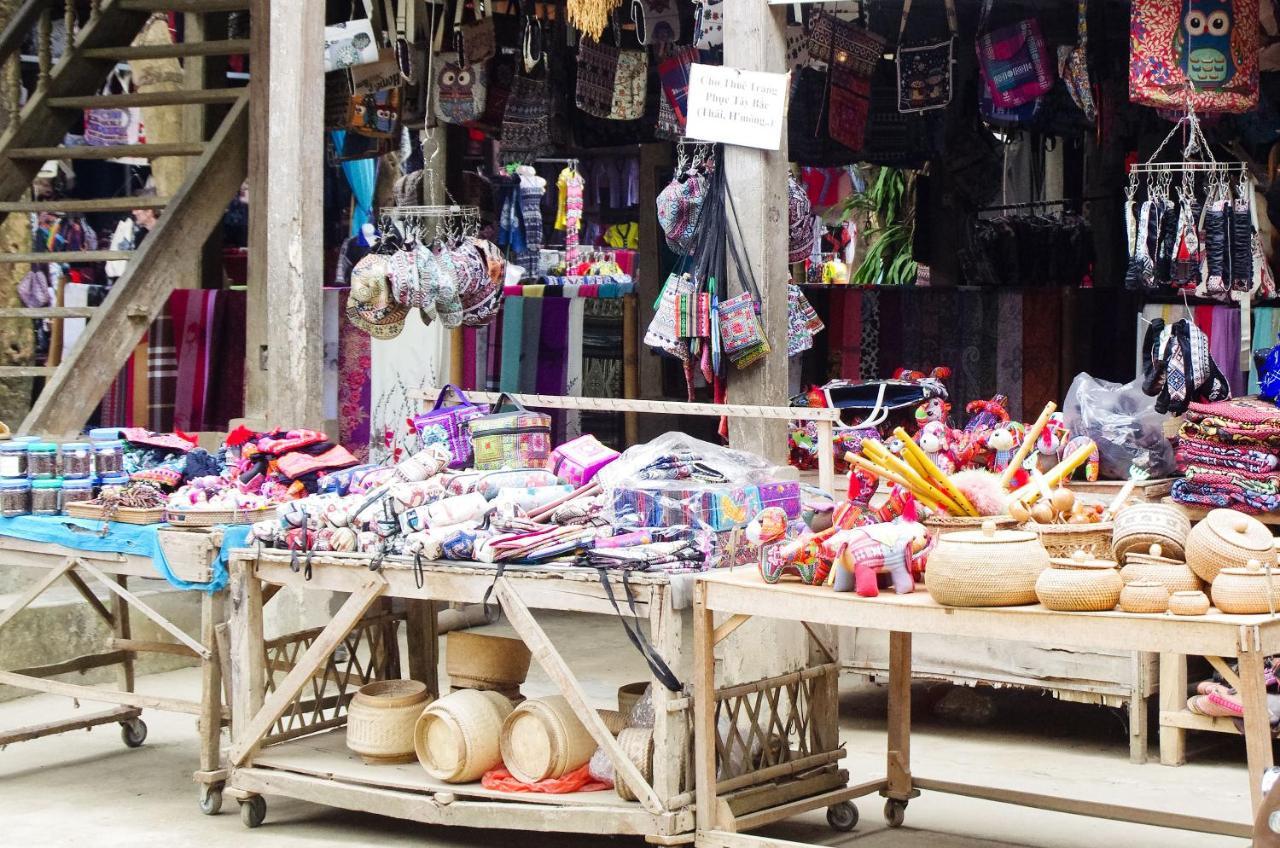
point(924, 70)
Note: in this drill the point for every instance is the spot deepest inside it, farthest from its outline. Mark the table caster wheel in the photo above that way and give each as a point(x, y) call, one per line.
point(133, 732)
point(842, 816)
point(253, 811)
point(211, 798)
point(895, 812)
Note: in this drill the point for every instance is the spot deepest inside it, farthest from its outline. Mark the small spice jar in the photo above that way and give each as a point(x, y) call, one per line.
point(15, 497)
point(104, 434)
point(13, 460)
point(42, 459)
point(46, 496)
point(74, 491)
point(76, 460)
point(116, 478)
point(108, 457)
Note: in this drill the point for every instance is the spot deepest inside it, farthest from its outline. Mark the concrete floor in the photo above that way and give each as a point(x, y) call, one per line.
point(87, 790)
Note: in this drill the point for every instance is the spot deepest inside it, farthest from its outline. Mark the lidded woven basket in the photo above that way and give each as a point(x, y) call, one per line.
point(1079, 584)
point(1228, 539)
point(1144, 596)
point(456, 738)
point(1176, 575)
point(1063, 540)
point(543, 738)
point(1250, 590)
point(1189, 603)
point(381, 718)
point(481, 661)
point(985, 568)
point(1140, 525)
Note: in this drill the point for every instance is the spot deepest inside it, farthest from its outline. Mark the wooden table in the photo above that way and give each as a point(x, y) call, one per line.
point(190, 555)
point(740, 594)
point(267, 758)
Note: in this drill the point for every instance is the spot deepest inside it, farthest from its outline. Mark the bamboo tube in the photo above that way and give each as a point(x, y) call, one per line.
point(881, 456)
point(1028, 442)
point(871, 468)
point(1058, 473)
point(932, 470)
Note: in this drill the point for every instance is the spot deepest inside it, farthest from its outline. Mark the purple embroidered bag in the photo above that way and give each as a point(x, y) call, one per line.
point(448, 425)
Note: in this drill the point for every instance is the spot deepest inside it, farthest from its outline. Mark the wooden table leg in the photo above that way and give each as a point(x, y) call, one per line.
point(248, 660)
point(670, 729)
point(423, 639)
point(704, 710)
point(212, 611)
point(1257, 725)
point(899, 764)
point(1138, 732)
point(1173, 698)
point(122, 630)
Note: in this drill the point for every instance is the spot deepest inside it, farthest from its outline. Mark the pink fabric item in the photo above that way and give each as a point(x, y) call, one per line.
point(195, 328)
point(1246, 410)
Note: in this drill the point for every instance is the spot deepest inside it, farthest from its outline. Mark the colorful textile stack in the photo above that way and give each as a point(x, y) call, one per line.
point(1229, 452)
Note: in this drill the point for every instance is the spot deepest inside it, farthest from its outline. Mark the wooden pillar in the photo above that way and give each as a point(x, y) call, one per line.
point(755, 41)
point(286, 162)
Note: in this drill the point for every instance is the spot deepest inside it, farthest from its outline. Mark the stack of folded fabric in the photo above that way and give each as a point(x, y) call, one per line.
point(1229, 454)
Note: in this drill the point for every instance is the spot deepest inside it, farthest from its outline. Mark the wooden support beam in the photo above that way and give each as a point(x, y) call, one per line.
point(34, 312)
point(149, 98)
point(64, 725)
point(27, 370)
point(142, 607)
point(141, 646)
point(727, 627)
point(79, 664)
point(115, 151)
point(222, 47)
point(353, 609)
point(91, 599)
point(755, 40)
point(35, 590)
point(65, 257)
point(93, 693)
point(102, 204)
point(1173, 699)
point(286, 178)
point(204, 7)
point(74, 391)
point(546, 655)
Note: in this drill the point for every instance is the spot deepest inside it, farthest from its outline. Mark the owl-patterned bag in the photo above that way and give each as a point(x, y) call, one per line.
point(1212, 45)
point(459, 90)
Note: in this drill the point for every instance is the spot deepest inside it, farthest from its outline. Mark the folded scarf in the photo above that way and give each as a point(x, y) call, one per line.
point(1223, 495)
point(1196, 448)
point(1241, 410)
point(1187, 457)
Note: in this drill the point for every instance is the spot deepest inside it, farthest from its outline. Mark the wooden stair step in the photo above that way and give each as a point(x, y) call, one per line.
point(27, 370)
point(113, 151)
point(47, 311)
point(101, 204)
point(221, 47)
point(193, 6)
point(150, 98)
point(65, 257)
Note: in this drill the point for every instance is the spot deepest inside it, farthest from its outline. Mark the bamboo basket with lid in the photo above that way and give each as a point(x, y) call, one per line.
point(1144, 596)
point(1079, 584)
point(985, 568)
point(543, 738)
point(941, 523)
point(1138, 526)
point(1228, 539)
point(637, 744)
point(481, 661)
point(1063, 540)
point(1189, 603)
point(456, 738)
point(381, 719)
point(1176, 575)
point(1251, 590)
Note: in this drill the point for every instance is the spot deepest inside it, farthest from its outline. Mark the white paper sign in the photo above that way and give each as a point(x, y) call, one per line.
point(729, 105)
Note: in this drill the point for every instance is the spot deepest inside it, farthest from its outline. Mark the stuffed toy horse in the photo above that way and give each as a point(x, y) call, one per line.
point(1053, 438)
point(1003, 442)
point(933, 409)
point(935, 440)
point(861, 555)
point(1092, 465)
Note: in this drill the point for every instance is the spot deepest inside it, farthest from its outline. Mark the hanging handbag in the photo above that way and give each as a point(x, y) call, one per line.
point(680, 206)
point(577, 462)
point(447, 425)
point(924, 70)
point(833, 39)
point(478, 39)
point(657, 21)
point(349, 44)
point(673, 73)
point(460, 90)
point(612, 83)
point(526, 125)
point(375, 115)
point(708, 24)
point(113, 127)
point(1073, 65)
point(663, 332)
point(1194, 55)
point(905, 140)
point(510, 438)
point(808, 138)
point(742, 338)
point(1016, 66)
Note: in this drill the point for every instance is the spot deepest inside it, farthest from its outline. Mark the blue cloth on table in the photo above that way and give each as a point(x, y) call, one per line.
point(141, 540)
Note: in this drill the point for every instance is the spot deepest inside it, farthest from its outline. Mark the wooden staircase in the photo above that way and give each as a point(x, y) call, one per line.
point(74, 387)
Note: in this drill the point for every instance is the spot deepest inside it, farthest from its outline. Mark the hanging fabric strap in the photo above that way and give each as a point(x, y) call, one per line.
point(656, 663)
point(951, 19)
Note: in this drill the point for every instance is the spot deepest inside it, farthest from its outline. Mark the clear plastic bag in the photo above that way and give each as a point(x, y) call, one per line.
point(1123, 423)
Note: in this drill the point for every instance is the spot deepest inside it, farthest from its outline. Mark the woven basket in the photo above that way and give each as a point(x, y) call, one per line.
point(629, 694)
point(125, 515)
point(1079, 584)
point(614, 720)
point(987, 568)
point(1227, 539)
point(381, 718)
point(1141, 525)
point(214, 517)
point(637, 743)
point(1251, 590)
point(1189, 603)
point(480, 661)
point(940, 523)
point(1063, 540)
point(456, 738)
point(1176, 576)
point(1144, 596)
point(542, 738)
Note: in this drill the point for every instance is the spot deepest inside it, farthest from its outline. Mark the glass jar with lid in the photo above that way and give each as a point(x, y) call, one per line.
point(108, 457)
point(13, 460)
point(76, 491)
point(46, 496)
point(15, 497)
point(76, 459)
point(111, 479)
point(42, 459)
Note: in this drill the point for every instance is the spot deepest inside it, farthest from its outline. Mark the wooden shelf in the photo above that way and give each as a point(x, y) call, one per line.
point(1188, 720)
point(1196, 513)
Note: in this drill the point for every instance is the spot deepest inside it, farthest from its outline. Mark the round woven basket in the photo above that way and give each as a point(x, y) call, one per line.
point(456, 738)
point(1250, 590)
point(1175, 575)
point(1079, 584)
point(1189, 603)
point(1144, 596)
point(1063, 540)
point(1140, 525)
point(985, 568)
point(629, 694)
point(542, 738)
point(940, 523)
point(381, 718)
point(614, 720)
point(637, 743)
point(1227, 539)
point(491, 663)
